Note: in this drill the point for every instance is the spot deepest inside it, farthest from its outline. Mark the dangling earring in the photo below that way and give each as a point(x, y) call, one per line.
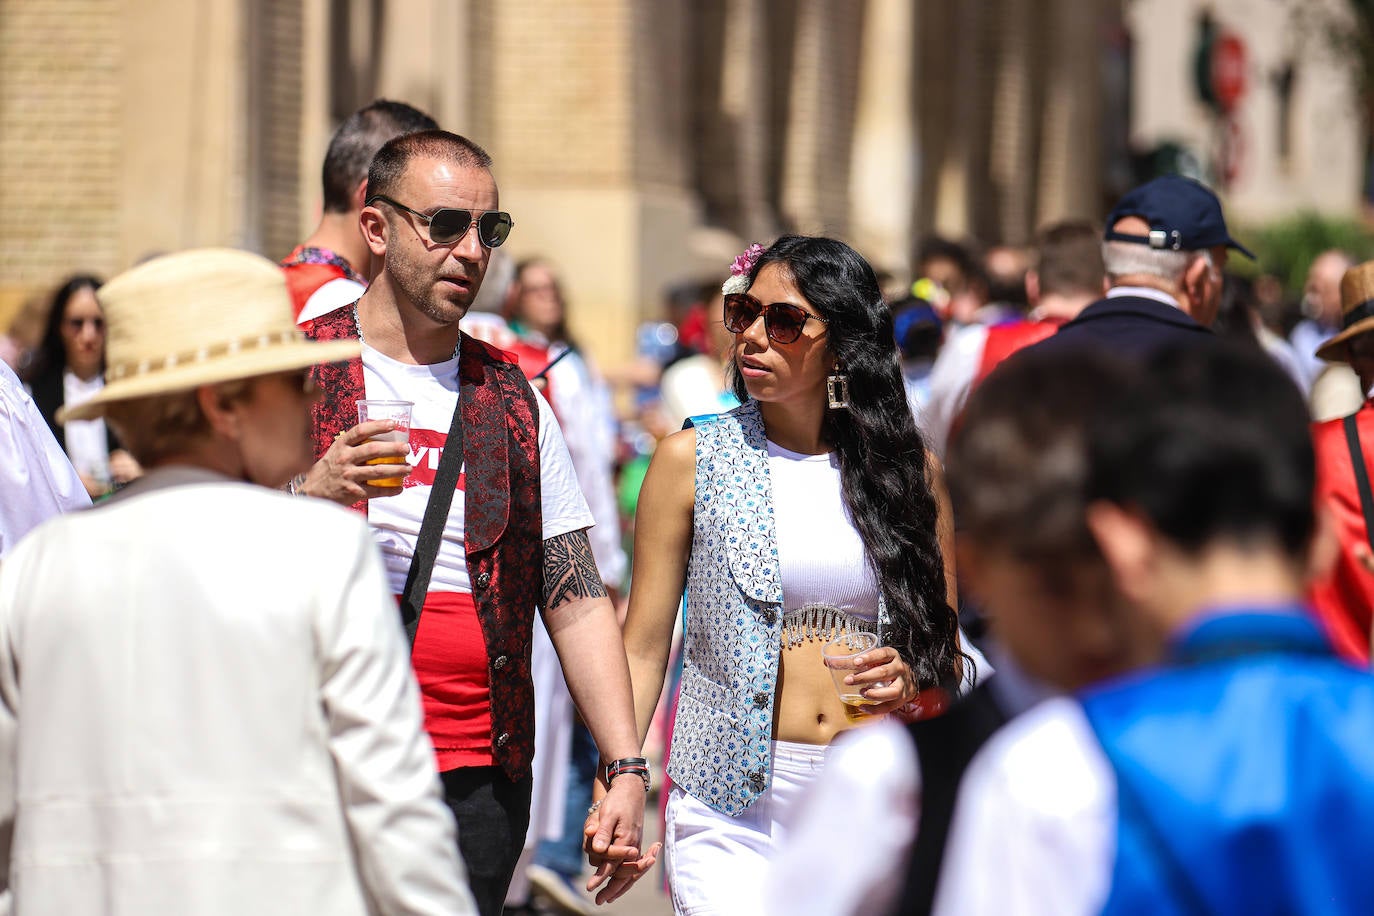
point(837, 390)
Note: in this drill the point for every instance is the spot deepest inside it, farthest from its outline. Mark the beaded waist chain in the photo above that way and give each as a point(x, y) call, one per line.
point(821, 622)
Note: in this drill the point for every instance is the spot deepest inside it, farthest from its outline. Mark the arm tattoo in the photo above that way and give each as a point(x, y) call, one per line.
point(570, 570)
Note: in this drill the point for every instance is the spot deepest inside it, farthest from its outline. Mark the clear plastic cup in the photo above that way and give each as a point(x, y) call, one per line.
point(839, 655)
point(400, 412)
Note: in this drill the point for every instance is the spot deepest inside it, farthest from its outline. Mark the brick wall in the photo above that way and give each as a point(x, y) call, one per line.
point(560, 92)
point(60, 153)
point(276, 113)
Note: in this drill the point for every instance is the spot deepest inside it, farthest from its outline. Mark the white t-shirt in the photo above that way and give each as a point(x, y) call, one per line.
point(395, 520)
point(88, 444)
point(821, 557)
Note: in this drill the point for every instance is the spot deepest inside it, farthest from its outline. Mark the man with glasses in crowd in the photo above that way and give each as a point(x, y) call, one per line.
point(515, 534)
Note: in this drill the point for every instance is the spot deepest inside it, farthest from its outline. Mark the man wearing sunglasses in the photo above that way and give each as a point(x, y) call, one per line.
point(515, 534)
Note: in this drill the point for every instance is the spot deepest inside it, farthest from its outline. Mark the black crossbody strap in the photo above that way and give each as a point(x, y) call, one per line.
point(1352, 439)
point(432, 526)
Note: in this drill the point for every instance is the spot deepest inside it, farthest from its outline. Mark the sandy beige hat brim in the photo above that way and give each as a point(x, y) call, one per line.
point(1334, 350)
point(241, 365)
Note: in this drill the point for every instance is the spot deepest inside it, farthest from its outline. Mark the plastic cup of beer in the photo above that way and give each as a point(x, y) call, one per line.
point(399, 411)
point(839, 655)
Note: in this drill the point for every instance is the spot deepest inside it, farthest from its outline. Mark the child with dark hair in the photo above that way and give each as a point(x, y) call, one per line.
point(1211, 780)
point(1017, 474)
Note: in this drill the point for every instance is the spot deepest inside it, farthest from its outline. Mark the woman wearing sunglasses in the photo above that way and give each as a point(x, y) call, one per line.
point(811, 510)
point(68, 369)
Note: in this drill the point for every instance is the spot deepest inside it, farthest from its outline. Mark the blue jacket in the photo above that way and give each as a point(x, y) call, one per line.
point(1245, 773)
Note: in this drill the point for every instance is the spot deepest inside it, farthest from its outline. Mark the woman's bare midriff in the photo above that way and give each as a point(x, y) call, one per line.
point(807, 709)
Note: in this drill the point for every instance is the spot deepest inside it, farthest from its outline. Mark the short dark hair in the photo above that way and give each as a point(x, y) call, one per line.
point(391, 160)
point(1211, 444)
point(357, 140)
point(1018, 465)
point(1068, 258)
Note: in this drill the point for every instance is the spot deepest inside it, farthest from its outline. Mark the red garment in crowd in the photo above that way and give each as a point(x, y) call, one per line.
point(450, 659)
point(692, 332)
point(1343, 598)
point(999, 342)
point(1006, 338)
point(308, 269)
point(533, 359)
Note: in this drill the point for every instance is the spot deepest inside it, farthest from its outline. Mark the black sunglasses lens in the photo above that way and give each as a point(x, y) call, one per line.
point(494, 228)
point(447, 225)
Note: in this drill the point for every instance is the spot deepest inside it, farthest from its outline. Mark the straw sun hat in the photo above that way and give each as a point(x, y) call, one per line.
point(1357, 311)
point(199, 318)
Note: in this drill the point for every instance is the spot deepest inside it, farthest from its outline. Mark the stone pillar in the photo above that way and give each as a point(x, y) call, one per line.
point(1070, 148)
point(185, 93)
point(1012, 156)
point(576, 92)
point(729, 115)
point(955, 63)
point(423, 60)
point(273, 127)
point(883, 180)
point(816, 164)
point(317, 124)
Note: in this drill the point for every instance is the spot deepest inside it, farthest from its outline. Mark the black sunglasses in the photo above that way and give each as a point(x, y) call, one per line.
point(782, 321)
point(449, 224)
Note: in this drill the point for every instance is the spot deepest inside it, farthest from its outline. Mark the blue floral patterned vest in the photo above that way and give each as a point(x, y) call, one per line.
point(720, 748)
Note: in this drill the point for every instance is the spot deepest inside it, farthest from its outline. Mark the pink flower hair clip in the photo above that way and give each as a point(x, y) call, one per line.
point(739, 270)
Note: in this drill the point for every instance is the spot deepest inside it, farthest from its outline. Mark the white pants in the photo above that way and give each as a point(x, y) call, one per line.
point(716, 863)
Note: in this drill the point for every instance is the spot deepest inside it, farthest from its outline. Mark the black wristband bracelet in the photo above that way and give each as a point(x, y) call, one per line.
point(639, 766)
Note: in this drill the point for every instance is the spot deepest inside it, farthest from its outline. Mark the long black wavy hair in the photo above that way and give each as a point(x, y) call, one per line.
point(51, 354)
point(881, 453)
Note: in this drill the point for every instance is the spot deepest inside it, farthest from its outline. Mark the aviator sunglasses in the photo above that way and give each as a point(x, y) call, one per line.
point(782, 321)
point(449, 224)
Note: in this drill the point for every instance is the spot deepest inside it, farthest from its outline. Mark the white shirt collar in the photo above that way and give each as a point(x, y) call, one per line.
point(1143, 292)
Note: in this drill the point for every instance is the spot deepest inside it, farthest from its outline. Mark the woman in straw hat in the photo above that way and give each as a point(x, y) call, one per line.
point(205, 701)
point(1344, 594)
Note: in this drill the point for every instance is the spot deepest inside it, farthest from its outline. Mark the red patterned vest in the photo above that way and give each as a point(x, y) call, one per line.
point(503, 523)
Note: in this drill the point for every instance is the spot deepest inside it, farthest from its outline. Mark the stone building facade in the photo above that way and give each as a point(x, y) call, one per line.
point(637, 142)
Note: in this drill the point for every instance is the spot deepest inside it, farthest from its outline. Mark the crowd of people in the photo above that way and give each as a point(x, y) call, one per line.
point(1040, 585)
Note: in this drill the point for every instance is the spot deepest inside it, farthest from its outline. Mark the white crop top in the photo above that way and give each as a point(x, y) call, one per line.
point(821, 557)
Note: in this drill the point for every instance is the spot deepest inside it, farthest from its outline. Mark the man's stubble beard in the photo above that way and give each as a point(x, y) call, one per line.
point(424, 296)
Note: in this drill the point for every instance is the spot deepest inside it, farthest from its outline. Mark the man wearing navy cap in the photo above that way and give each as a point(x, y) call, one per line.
point(1164, 249)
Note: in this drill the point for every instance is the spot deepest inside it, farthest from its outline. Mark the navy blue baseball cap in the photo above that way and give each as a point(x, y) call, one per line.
point(1184, 215)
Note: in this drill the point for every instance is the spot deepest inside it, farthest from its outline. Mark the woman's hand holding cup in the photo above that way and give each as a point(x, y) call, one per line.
point(871, 680)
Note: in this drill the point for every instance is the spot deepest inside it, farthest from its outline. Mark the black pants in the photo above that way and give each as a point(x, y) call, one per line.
point(493, 815)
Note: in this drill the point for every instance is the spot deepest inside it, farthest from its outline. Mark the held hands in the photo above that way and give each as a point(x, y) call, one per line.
point(343, 473)
point(882, 676)
point(613, 832)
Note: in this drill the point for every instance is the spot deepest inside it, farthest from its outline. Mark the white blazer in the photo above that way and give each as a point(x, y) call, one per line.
point(207, 707)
